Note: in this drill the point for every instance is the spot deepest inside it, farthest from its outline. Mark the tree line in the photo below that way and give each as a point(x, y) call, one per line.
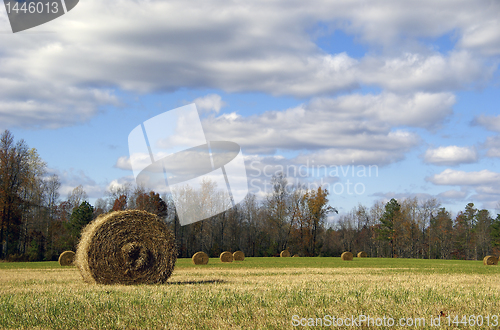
point(419, 229)
point(35, 224)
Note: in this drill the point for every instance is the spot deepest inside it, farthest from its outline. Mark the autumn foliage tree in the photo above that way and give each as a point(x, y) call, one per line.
point(28, 199)
point(13, 175)
point(317, 211)
point(151, 202)
point(120, 203)
point(440, 235)
point(278, 211)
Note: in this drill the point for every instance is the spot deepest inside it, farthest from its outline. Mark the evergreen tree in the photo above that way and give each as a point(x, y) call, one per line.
point(79, 218)
point(495, 233)
point(388, 221)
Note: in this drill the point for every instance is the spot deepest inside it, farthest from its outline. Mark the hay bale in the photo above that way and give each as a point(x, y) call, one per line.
point(126, 247)
point(200, 258)
point(346, 256)
point(238, 256)
point(284, 253)
point(296, 255)
point(490, 260)
point(362, 254)
point(66, 258)
point(226, 256)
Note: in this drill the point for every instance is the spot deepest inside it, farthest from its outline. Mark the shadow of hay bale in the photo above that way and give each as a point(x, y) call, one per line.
point(196, 282)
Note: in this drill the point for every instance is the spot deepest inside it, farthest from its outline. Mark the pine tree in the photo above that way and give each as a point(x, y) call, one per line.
point(79, 218)
point(387, 229)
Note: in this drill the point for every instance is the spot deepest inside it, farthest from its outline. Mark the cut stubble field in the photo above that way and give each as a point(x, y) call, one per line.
point(257, 293)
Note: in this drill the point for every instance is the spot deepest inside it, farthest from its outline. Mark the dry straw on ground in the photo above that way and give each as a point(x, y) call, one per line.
point(362, 254)
point(126, 247)
point(490, 260)
point(296, 255)
point(346, 256)
point(226, 256)
point(66, 258)
point(284, 253)
point(238, 256)
point(200, 258)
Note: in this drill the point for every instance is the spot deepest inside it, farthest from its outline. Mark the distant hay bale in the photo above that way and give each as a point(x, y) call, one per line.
point(296, 255)
point(238, 256)
point(490, 260)
point(66, 258)
point(362, 254)
point(346, 256)
point(200, 258)
point(226, 256)
point(126, 247)
point(284, 253)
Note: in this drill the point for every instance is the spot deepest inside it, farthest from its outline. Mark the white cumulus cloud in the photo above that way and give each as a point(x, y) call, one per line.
point(451, 177)
point(209, 103)
point(450, 155)
point(491, 123)
point(258, 46)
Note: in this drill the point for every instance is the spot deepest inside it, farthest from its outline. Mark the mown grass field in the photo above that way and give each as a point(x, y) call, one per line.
point(258, 293)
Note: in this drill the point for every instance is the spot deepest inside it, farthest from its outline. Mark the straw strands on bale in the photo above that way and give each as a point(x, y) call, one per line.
point(346, 256)
point(126, 247)
point(284, 253)
point(200, 258)
point(490, 260)
point(226, 256)
point(238, 256)
point(362, 254)
point(66, 258)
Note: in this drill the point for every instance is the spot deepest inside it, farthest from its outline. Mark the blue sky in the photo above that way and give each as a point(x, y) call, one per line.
point(409, 88)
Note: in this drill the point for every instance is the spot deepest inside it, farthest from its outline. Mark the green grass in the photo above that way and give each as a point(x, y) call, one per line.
point(30, 265)
point(258, 293)
point(393, 265)
point(396, 265)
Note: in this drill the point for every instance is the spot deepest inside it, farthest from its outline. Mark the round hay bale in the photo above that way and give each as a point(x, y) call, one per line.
point(226, 256)
point(490, 260)
point(66, 258)
point(200, 258)
point(296, 255)
point(238, 256)
point(362, 254)
point(346, 256)
point(284, 253)
point(126, 247)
